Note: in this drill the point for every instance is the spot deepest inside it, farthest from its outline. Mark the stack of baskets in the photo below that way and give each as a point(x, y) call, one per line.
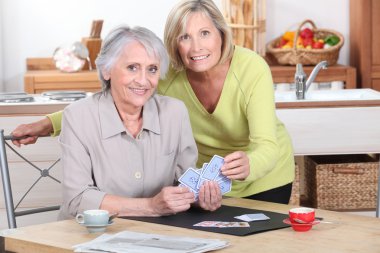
point(295, 197)
point(292, 56)
point(341, 182)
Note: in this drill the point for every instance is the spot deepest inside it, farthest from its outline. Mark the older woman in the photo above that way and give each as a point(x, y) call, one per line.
point(228, 91)
point(123, 148)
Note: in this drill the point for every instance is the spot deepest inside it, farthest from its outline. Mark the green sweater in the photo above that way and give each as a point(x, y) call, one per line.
point(244, 120)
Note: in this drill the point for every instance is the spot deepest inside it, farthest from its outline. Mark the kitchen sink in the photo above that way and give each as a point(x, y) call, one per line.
point(332, 121)
point(329, 95)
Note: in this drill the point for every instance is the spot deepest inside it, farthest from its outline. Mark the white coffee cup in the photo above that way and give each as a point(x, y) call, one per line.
point(95, 217)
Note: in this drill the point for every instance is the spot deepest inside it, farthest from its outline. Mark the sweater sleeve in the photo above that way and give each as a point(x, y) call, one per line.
point(56, 120)
point(262, 121)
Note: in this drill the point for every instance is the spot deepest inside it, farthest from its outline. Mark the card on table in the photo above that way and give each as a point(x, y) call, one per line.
point(222, 224)
point(252, 217)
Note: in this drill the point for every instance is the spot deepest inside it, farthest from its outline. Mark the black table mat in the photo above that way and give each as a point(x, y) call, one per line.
point(224, 213)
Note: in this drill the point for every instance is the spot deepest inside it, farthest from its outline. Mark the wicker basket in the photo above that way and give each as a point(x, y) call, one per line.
point(295, 197)
point(292, 56)
point(341, 182)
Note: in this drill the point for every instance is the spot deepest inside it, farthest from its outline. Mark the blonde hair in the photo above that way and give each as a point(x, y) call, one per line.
point(176, 22)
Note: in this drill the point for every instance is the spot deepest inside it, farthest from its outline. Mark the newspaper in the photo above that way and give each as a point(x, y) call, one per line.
point(134, 242)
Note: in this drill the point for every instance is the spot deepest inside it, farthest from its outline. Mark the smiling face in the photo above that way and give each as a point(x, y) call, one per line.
point(134, 77)
point(200, 47)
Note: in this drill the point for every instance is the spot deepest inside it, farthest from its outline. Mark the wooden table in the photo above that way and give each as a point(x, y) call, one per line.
point(349, 233)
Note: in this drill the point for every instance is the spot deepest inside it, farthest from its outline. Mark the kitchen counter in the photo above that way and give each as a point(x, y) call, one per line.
point(332, 122)
point(327, 104)
point(327, 131)
point(328, 98)
point(40, 106)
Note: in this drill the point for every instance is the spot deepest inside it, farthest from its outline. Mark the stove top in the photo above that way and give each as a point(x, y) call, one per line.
point(45, 97)
point(65, 95)
point(16, 98)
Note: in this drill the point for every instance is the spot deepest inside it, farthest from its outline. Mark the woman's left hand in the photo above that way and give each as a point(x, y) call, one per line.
point(236, 166)
point(210, 197)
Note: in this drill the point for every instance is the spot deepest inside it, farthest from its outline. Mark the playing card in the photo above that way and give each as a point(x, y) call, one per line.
point(196, 193)
point(206, 224)
point(219, 177)
point(213, 167)
point(222, 224)
point(200, 182)
point(225, 185)
point(252, 217)
point(231, 224)
point(190, 178)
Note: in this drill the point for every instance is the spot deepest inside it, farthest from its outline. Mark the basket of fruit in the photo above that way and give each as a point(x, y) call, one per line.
point(307, 46)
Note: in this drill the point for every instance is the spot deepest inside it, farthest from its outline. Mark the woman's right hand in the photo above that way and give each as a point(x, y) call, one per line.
point(172, 200)
point(236, 166)
point(29, 133)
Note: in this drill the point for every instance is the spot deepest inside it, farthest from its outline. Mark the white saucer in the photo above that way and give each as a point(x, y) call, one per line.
point(96, 228)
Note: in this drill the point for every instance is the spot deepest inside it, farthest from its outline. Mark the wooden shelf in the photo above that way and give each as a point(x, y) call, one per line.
point(285, 74)
point(39, 81)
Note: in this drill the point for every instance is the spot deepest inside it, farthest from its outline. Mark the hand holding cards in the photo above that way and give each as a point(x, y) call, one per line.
point(209, 172)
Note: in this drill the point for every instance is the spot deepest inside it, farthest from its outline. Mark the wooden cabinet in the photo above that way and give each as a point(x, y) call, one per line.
point(38, 81)
point(365, 41)
point(347, 74)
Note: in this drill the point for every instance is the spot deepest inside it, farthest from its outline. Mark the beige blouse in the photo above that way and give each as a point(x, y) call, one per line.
point(99, 155)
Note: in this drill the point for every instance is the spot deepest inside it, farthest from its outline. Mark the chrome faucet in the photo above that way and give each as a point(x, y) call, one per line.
point(302, 85)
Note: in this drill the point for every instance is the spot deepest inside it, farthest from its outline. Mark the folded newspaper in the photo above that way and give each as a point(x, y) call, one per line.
point(135, 242)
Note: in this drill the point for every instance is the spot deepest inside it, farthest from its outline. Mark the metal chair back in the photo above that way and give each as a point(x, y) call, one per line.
point(11, 209)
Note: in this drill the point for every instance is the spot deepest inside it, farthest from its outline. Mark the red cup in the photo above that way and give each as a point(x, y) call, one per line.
point(302, 215)
point(301, 227)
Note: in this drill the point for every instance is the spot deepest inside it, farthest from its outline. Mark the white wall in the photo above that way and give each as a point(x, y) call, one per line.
point(35, 28)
